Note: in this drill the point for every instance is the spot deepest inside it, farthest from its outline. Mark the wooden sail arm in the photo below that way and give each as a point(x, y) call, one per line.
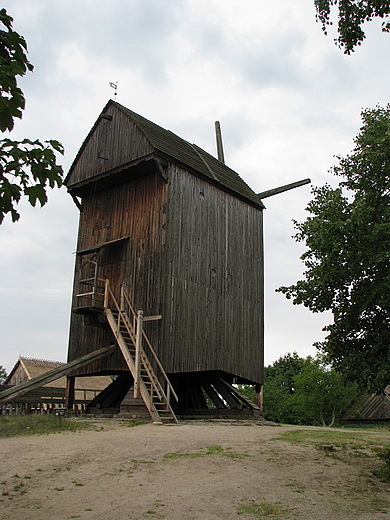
point(281, 189)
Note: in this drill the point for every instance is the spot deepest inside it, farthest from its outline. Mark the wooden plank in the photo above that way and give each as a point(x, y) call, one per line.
point(214, 396)
point(70, 392)
point(52, 375)
point(281, 189)
point(113, 395)
point(234, 390)
point(227, 395)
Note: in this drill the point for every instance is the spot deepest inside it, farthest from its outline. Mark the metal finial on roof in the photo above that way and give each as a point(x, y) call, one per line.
point(115, 87)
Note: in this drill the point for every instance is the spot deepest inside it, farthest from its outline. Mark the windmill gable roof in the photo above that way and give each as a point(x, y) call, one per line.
point(158, 140)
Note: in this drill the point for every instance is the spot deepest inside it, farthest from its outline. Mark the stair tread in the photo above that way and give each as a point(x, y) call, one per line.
point(124, 332)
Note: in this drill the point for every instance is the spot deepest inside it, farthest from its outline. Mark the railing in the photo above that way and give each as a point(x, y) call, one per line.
point(133, 322)
point(95, 287)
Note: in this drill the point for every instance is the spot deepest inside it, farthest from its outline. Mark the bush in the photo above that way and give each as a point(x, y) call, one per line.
point(384, 455)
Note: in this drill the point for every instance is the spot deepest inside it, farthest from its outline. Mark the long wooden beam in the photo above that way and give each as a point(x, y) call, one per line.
point(281, 189)
point(52, 375)
point(218, 135)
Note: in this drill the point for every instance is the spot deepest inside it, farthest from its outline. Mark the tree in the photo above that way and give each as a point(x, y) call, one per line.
point(3, 375)
point(321, 394)
point(352, 14)
point(305, 391)
point(347, 259)
point(279, 389)
point(26, 167)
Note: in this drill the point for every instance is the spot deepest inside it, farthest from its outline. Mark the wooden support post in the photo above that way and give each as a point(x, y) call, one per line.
point(69, 393)
point(259, 396)
point(138, 347)
point(106, 294)
point(122, 297)
point(95, 283)
point(218, 135)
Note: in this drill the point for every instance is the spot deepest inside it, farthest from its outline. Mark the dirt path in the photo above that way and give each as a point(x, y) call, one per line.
point(179, 472)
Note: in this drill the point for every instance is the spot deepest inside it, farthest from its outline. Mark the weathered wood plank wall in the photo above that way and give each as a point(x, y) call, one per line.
point(108, 145)
point(194, 254)
point(202, 269)
point(214, 288)
point(137, 210)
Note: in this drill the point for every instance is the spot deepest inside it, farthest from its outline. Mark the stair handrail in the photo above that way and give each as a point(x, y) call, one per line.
point(122, 316)
point(170, 389)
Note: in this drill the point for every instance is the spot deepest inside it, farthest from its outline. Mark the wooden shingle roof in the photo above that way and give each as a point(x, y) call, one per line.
point(166, 143)
point(192, 156)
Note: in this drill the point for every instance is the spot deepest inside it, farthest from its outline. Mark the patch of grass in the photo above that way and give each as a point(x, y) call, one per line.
point(357, 441)
point(17, 488)
point(262, 509)
point(205, 452)
point(136, 422)
point(384, 455)
point(363, 497)
point(367, 426)
point(136, 463)
point(153, 514)
point(364, 494)
point(18, 425)
point(295, 486)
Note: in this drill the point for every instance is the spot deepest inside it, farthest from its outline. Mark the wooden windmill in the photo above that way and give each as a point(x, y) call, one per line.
point(168, 286)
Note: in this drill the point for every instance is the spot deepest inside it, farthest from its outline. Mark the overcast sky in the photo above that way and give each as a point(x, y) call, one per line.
point(288, 100)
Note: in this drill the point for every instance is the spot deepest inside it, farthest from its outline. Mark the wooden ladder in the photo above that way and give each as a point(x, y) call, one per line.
point(131, 337)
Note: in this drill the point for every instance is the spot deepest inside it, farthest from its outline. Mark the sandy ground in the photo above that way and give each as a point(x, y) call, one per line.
point(116, 472)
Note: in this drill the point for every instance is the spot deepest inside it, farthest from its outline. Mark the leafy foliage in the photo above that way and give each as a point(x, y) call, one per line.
point(305, 391)
point(26, 167)
point(3, 375)
point(13, 63)
point(321, 395)
point(279, 388)
point(347, 261)
point(384, 456)
point(352, 14)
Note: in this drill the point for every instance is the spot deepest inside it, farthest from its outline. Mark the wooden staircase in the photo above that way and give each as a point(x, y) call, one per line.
point(150, 379)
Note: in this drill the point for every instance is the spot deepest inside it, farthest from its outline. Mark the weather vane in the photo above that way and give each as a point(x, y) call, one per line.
point(115, 87)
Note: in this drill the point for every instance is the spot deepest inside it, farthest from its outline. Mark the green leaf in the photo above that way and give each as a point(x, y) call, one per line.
point(347, 259)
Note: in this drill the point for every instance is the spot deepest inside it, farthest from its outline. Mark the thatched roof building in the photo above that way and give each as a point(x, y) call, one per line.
point(26, 369)
point(371, 408)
